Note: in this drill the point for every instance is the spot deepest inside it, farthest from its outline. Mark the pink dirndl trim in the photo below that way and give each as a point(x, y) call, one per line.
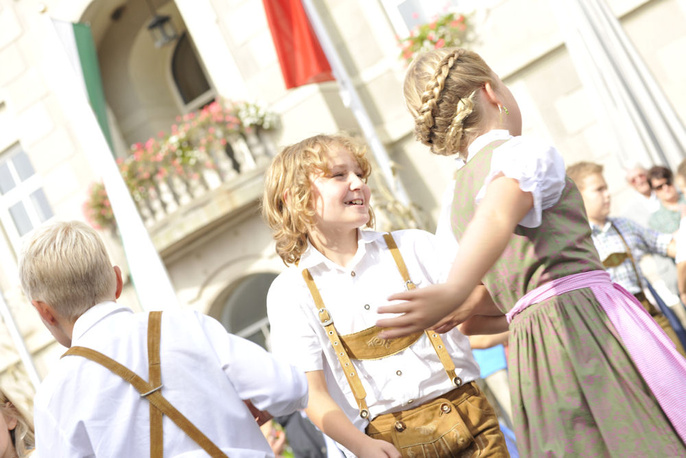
point(653, 353)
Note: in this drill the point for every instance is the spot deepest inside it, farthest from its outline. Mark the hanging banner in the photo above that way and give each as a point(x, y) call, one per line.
point(300, 55)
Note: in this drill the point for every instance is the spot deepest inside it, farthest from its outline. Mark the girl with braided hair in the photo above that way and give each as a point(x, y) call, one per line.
point(591, 373)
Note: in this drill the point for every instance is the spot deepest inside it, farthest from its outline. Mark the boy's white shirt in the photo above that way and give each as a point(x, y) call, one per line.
point(398, 382)
point(83, 409)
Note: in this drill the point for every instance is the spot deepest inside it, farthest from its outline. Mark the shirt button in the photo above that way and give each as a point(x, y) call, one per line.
point(366, 306)
point(398, 373)
point(352, 273)
point(410, 401)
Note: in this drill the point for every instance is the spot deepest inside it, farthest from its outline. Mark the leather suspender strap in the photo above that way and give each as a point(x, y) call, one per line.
point(348, 368)
point(152, 390)
point(155, 376)
point(433, 336)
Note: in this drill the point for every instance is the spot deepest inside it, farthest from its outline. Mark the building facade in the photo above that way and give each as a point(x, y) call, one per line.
point(217, 251)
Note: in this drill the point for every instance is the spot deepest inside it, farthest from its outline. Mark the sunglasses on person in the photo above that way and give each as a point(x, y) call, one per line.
point(662, 185)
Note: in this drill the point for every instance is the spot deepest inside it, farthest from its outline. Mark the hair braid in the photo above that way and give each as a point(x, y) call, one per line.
point(431, 95)
point(453, 136)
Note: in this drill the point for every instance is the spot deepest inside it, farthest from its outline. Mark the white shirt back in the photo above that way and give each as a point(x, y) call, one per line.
point(82, 409)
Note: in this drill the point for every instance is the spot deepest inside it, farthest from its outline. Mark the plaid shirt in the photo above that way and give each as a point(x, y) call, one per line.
point(641, 240)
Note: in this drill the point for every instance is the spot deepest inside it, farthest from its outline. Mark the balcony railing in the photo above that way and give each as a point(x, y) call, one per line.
point(241, 156)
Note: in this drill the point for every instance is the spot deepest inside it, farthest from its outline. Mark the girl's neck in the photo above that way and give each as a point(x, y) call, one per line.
point(339, 247)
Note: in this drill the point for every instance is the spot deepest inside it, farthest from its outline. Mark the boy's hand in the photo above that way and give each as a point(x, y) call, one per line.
point(423, 309)
point(375, 448)
point(479, 302)
point(260, 416)
point(480, 324)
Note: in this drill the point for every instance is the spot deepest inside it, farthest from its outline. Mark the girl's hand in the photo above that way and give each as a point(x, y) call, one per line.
point(423, 308)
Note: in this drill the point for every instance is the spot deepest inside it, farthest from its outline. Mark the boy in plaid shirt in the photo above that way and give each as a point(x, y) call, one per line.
point(621, 243)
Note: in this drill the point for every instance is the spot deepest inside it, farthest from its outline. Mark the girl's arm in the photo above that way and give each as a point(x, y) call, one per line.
point(332, 421)
point(484, 240)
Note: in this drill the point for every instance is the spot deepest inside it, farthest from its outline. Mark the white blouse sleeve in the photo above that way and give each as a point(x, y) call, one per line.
point(539, 169)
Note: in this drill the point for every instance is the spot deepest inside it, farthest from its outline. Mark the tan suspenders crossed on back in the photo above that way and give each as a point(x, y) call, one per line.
point(355, 344)
point(151, 390)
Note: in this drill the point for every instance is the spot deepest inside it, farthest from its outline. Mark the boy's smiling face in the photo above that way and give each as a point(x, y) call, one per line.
point(341, 194)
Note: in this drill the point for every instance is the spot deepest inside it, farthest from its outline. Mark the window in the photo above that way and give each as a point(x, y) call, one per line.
point(23, 204)
point(193, 88)
point(245, 310)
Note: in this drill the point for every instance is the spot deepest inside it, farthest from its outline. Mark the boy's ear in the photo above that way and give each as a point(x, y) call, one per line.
point(46, 312)
point(120, 282)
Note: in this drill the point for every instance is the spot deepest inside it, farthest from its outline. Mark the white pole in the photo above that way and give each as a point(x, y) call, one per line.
point(152, 284)
point(353, 101)
point(19, 343)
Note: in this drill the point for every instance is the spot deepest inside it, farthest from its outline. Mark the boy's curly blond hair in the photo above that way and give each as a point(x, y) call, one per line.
point(287, 204)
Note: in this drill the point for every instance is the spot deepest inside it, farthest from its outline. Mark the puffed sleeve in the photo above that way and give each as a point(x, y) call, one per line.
point(539, 169)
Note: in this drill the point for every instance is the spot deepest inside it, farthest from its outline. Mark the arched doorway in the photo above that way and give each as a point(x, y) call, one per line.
point(244, 312)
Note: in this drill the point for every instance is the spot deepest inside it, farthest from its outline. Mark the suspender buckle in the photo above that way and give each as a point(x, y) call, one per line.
point(325, 317)
point(409, 284)
point(151, 391)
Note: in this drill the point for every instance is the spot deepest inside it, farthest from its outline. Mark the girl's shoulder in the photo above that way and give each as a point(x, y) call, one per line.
point(530, 146)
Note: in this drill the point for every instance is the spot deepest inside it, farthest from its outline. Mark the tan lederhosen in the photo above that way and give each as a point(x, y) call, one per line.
point(151, 390)
point(366, 344)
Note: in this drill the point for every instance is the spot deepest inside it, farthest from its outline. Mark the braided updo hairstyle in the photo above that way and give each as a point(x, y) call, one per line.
point(441, 90)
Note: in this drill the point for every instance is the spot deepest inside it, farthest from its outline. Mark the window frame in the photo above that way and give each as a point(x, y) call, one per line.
point(20, 193)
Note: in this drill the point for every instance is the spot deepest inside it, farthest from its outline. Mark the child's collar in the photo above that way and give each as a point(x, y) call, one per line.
point(481, 141)
point(312, 256)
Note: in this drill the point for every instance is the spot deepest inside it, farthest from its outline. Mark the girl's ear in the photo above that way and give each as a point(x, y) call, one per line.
point(10, 420)
point(491, 95)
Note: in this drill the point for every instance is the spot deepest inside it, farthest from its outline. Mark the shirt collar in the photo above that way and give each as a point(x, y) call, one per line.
point(481, 141)
point(598, 230)
point(312, 257)
point(95, 314)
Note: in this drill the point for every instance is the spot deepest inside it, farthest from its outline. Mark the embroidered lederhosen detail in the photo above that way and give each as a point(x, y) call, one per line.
point(366, 344)
point(151, 390)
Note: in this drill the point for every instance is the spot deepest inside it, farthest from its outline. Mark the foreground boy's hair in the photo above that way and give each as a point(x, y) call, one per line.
point(66, 265)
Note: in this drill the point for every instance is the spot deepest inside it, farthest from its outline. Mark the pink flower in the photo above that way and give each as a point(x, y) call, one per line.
point(432, 26)
point(415, 15)
point(440, 43)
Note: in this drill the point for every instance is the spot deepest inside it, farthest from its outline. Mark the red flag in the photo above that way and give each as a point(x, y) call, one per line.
point(300, 55)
